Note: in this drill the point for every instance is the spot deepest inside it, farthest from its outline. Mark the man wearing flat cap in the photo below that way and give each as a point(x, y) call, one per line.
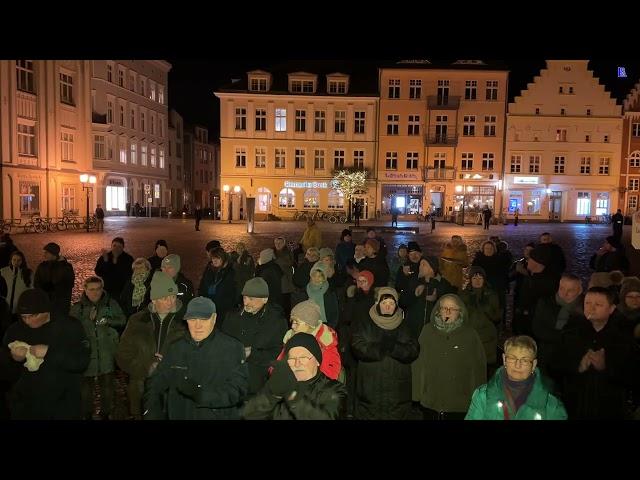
point(203, 375)
point(260, 325)
point(297, 389)
point(44, 355)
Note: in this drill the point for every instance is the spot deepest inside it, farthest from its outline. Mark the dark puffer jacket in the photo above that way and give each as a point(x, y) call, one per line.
point(219, 284)
point(272, 274)
point(115, 275)
point(56, 277)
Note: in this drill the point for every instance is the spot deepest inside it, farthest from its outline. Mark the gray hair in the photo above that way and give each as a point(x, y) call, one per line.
point(93, 279)
point(522, 341)
point(141, 261)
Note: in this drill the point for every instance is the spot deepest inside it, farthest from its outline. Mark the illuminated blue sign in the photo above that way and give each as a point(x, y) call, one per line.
point(622, 72)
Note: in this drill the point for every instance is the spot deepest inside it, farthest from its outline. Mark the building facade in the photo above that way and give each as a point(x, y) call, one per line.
point(441, 136)
point(45, 131)
point(282, 134)
point(130, 133)
point(202, 162)
point(564, 134)
point(630, 158)
point(178, 194)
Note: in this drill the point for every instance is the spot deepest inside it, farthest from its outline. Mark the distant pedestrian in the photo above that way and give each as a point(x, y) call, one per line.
point(198, 216)
point(99, 219)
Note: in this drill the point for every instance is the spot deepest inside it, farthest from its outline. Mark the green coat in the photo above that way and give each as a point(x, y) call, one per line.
point(484, 313)
point(103, 338)
point(488, 399)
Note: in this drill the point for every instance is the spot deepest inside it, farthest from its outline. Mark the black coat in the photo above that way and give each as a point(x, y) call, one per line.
point(378, 266)
point(317, 399)
point(263, 332)
point(417, 310)
point(53, 391)
point(301, 274)
point(156, 263)
point(331, 306)
point(220, 286)
point(185, 289)
point(610, 261)
point(534, 287)
point(497, 268)
point(115, 275)
point(383, 379)
point(272, 274)
point(127, 295)
point(216, 364)
point(57, 278)
point(544, 329)
point(356, 309)
point(6, 249)
point(558, 262)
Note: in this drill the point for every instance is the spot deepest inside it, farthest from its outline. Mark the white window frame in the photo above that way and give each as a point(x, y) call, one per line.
point(604, 166)
point(319, 155)
point(393, 124)
point(471, 90)
point(359, 125)
point(559, 164)
point(412, 159)
point(585, 165)
point(25, 76)
point(99, 147)
point(161, 158)
point(516, 164)
point(391, 161)
point(634, 184)
point(287, 198)
point(300, 155)
point(488, 161)
point(490, 122)
point(152, 156)
point(143, 154)
point(241, 118)
point(466, 162)
point(66, 88)
point(535, 162)
point(583, 205)
point(261, 120)
point(491, 90)
point(415, 89)
point(66, 147)
point(394, 88)
point(469, 126)
point(358, 159)
point(280, 157)
point(319, 121)
point(26, 139)
point(311, 198)
point(338, 158)
point(281, 119)
point(122, 145)
point(301, 121)
point(634, 159)
point(414, 125)
point(340, 121)
point(261, 157)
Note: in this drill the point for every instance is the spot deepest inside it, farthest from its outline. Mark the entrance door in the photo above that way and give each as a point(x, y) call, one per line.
point(555, 206)
point(437, 204)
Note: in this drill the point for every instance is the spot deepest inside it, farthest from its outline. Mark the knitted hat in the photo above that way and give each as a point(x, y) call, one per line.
point(319, 266)
point(162, 243)
point(344, 233)
point(475, 270)
point(600, 279)
point(307, 312)
point(414, 247)
point(33, 301)
point(541, 254)
point(326, 252)
point(200, 307)
point(52, 248)
point(306, 341)
point(256, 288)
point(433, 262)
point(212, 245)
point(629, 284)
point(172, 260)
point(162, 286)
point(369, 276)
point(384, 292)
point(266, 255)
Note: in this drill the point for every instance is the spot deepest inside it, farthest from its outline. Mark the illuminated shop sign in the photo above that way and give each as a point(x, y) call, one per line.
point(526, 180)
point(289, 184)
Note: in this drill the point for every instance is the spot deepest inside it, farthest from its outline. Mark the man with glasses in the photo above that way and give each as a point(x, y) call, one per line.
point(44, 355)
point(297, 389)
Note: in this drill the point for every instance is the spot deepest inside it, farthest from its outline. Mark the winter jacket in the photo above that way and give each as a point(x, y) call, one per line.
point(244, 268)
point(15, 285)
point(156, 262)
point(312, 237)
point(101, 332)
point(534, 287)
point(344, 252)
point(497, 270)
point(327, 338)
point(331, 306)
point(395, 265)
point(219, 285)
point(284, 259)
point(57, 278)
point(6, 250)
point(272, 274)
point(126, 297)
point(185, 289)
point(115, 275)
point(417, 308)
point(263, 332)
point(452, 261)
point(356, 310)
point(301, 274)
point(216, 365)
point(610, 261)
point(484, 314)
point(488, 402)
point(317, 399)
point(378, 266)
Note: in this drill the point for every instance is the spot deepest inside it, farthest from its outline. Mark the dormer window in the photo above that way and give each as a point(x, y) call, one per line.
point(302, 86)
point(338, 87)
point(258, 84)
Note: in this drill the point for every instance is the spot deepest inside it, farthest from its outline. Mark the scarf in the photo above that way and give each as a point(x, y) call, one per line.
point(447, 326)
point(139, 288)
point(316, 293)
point(565, 311)
point(386, 322)
point(516, 392)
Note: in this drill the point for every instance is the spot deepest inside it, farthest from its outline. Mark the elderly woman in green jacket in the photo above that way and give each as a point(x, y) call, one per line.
point(517, 391)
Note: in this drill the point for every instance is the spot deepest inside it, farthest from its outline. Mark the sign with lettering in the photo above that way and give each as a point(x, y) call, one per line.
point(526, 180)
point(400, 176)
point(290, 184)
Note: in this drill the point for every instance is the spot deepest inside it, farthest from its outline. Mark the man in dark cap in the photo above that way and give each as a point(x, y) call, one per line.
point(558, 260)
point(610, 257)
point(56, 277)
point(297, 389)
point(44, 355)
point(114, 267)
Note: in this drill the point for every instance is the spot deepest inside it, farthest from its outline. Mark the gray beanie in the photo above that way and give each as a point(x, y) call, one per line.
point(172, 260)
point(162, 286)
point(256, 288)
point(326, 252)
point(307, 312)
point(266, 256)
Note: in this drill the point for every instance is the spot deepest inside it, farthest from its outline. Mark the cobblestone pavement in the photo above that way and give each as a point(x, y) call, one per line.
point(579, 241)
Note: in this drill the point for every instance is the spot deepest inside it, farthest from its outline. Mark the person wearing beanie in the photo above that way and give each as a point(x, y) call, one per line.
point(496, 268)
point(306, 318)
point(302, 271)
point(297, 388)
point(422, 292)
point(382, 247)
point(320, 291)
point(212, 379)
point(271, 272)
point(161, 250)
point(7, 247)
point(55, 276)
point(285, 260)
point(629, 307)
point(449, 348)
point(148, 335)
point(218, 283)
point(408, 273)
point(171, 266)
point(345, 250)
point(243, 265)
point(396, 262)
point(611, 256)
point(384, 349)
point(46, 352)
point(453, 259)
point(375, 263)
point(114, 267)
point(484, 313)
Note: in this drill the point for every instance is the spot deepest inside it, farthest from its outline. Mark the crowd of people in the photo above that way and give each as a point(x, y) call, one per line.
point(316, 332)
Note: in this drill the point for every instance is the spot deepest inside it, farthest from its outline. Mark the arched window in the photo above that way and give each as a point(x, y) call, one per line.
point(287, 198)
point(264, 200)
point(336, 199)
point(634, 159)
point(311, 198)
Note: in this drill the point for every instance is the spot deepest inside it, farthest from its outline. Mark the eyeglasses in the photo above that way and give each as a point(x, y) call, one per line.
point(294, 360)
point(633, 297)
point(511, 360)
point(449, 309)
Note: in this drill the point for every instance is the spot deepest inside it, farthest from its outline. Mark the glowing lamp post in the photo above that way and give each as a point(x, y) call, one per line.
point(88, 181)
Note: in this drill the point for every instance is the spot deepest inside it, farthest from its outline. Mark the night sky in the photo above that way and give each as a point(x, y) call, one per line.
point(192, 82)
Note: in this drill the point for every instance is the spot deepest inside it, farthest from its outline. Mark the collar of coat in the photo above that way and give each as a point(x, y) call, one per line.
point(536, 400)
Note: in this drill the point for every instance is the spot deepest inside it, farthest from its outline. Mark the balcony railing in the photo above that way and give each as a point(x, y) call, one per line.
point(99, 118)
point(438, 102)
point(446, 173)
point(436, 138)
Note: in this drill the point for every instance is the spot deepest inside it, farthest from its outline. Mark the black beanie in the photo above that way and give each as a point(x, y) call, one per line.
point(33, 301)
point(212, 245)
point(307, 341)
point(163, 243)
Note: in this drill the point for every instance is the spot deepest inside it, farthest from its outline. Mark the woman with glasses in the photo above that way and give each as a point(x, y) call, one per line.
point(517, 391)
point(452, 362)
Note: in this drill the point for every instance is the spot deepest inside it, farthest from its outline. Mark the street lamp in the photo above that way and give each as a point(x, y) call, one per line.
point(87, 184)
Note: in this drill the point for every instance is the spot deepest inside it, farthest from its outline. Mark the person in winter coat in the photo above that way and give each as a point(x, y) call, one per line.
point(284, 259)
point(269, 269)
point(382, 247)
point(611, 256)
point(496, 268)
point(171, 266)
point(297, 388)
point(161, 250)
point(453, 259)
point(260, 326)
point(203, 375)
point(558, 262)
point(219, 284)
point(408, 274)
point(312, 236)
point(114, 267)
point(136, 294)
point(319, 291)
point(422, 293)
point(484, 313)
point(396, 263)
point(452, 362)
point(600, 362)
point(384, 348)
point(346, 249)
point(56, 277)
point(517, 391)
point(375, 263)
point(336, 278)
point(302, 271)
point(629, 307)
point(18, 278)
point(7, 247)
point(44, 355)
point(305, 318)
point(147, 337)
point(243, 265)
point(100, 316)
